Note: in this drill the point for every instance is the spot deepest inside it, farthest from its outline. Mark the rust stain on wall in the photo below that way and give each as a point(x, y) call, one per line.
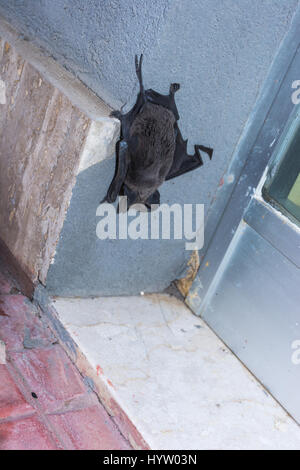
point(184, 284)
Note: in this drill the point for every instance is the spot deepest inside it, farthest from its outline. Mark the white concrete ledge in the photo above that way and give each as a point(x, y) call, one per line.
point(177, 383)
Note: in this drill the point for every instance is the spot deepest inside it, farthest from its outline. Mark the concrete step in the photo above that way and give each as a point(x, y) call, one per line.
point(168, 379)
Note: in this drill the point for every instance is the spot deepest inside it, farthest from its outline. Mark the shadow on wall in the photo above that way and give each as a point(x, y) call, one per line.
point(84, 265)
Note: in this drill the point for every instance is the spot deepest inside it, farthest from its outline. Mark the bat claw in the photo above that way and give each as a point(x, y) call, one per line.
point(197, 154)
point(104, 200)
point(207, 150)
point(204, 149)
point(109, 198)
point(174, 87)
point(116, 114)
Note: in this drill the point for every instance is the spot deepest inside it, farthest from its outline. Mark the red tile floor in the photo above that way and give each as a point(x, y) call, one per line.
point(44, 401)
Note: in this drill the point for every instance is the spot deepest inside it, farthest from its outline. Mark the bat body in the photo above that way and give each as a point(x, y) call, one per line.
point(151, 149)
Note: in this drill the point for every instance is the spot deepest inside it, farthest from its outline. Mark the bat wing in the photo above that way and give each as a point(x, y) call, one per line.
point(167, 101)
point(132, 198)
point(128, 118)
point(183, 162)
point(122, 163)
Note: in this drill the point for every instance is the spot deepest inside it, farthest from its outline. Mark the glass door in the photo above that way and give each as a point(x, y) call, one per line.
point(282, 187)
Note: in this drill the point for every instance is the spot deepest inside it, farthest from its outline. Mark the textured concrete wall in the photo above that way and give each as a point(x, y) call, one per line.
point(220, 51)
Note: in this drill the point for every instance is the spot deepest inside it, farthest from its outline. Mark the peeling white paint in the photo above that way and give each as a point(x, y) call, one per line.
point(258, 191)
point(249, 190)
point(230, 178)
point(2, 92)
point(259, 197)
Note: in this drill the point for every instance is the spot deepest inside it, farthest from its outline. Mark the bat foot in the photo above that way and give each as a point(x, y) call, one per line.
point(109, 198)
point(153, 200)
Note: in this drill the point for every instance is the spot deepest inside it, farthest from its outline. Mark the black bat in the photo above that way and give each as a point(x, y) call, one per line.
point(151, 149)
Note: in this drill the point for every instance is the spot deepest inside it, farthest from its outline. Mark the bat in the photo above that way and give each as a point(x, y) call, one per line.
point(151, 148)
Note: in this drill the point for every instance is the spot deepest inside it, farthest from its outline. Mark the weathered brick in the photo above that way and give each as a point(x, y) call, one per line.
point(89, 429)
point(19, 324)
point(12, 402)
point(26, 434)
point(51, 375)
point(7, 284)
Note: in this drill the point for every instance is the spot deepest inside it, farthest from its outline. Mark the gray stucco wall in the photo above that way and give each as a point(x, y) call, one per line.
point(219, 50)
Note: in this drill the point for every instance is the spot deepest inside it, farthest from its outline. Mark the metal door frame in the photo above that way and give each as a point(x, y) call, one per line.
point(275, 119)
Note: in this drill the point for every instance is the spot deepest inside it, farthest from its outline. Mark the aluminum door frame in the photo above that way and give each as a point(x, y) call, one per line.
point(256, 161)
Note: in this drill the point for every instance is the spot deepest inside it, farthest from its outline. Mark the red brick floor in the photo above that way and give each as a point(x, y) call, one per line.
point(44, 401)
